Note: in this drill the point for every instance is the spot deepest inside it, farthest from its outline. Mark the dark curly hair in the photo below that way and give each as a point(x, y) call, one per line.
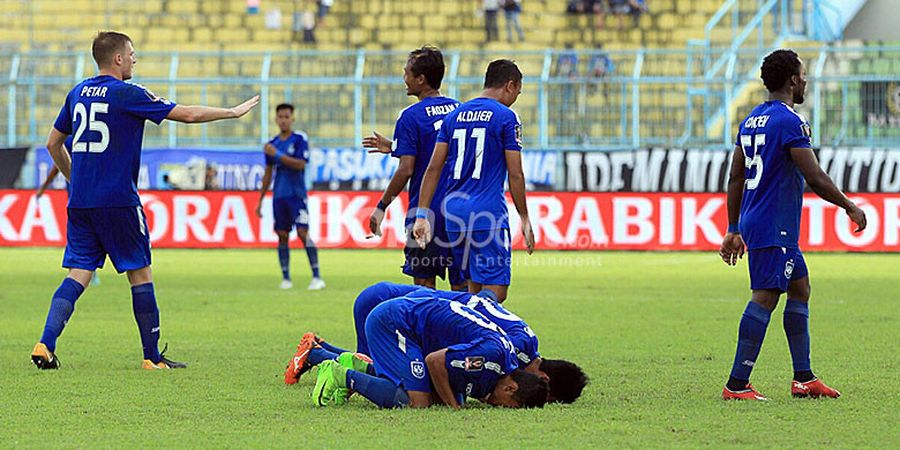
point(778, 67)
point(567, 380)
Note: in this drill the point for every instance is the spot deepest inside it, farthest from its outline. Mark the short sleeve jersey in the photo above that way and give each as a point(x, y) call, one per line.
point(773, 188)
point(289, 182)
point(106, 118)
point(478, 134)
point(479, 352)
point(414, 135)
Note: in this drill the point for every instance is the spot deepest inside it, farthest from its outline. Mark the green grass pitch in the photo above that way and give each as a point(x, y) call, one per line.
point(655, 332)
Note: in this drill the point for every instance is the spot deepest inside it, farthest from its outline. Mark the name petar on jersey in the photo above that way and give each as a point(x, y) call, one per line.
point(414, 135)
point(478, 133)
point(289, 182)
point(773, 191)
point(105, 165)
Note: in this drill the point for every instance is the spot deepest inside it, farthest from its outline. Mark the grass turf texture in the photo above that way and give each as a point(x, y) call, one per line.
point(655, 331)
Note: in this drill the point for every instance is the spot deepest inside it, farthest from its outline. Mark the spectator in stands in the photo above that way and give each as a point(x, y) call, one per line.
point(600, 66)
point(491, 9)
point(210, 183)
point(324, 7)
point(305, 26)
point(622, 8)
point(638, 8)
point(566, 67)
point(512, 9)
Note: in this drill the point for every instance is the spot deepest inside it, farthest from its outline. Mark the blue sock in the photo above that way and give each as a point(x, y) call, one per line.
point(313, 255)
point(750, 337)
point(332, 348)
point(318, 354)
point(146, 314)
point(284, 258)
point(379, 391)
point(62, 305)
point(796, 327)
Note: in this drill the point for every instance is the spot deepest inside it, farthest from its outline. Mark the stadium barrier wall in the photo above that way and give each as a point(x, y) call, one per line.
point(854, 169)
point(562, 221)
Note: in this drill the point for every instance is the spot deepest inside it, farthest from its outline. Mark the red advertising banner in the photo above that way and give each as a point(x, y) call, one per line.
point(561, 221)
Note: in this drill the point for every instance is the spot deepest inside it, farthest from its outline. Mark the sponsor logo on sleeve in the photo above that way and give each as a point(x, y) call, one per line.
point(474, 363)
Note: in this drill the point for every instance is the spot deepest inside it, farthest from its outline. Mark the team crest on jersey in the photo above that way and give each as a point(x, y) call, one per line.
point(807, 131)
point(474, 363)
point(789, 269)
point(418, 369)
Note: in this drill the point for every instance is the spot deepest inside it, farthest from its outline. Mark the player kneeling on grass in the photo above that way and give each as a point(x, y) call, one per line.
point(418, 343)
point(566, 380)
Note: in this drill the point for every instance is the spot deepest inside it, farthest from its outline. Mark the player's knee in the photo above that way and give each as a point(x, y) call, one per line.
point(799, 291)
point(282, 236)
point(766, 298)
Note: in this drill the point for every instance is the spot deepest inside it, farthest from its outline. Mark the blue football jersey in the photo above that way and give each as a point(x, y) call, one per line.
point(478, 133)
point(106, 118)
point(414, 135)
point(519, 333)
point(773, 187)
point(289, 182)
point(479, 352)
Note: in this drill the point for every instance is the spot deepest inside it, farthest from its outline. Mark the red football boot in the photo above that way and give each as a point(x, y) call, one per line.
point(298, 365)
point(748, 393)
point(814, 388)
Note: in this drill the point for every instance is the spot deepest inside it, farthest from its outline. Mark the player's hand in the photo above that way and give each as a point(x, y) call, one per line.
point(245, 107)
point(528, 232)
point(377, 143)
point(259, 209)
point(732, 248)
point(858, 216)
point(270, 149)
point(422, 232)
point(375, 221)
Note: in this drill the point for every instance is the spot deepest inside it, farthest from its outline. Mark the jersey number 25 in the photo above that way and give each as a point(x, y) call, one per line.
point(91, 122)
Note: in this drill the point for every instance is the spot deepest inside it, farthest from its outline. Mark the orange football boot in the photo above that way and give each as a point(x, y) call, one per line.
point(814, 388)
point(298, 365)
point(748, 393)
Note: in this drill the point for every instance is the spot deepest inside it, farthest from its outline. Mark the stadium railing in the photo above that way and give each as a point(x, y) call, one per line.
point(645, 98)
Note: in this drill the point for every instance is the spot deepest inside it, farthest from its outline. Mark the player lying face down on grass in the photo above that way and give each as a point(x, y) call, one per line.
point(566, 380)
point(429, 351)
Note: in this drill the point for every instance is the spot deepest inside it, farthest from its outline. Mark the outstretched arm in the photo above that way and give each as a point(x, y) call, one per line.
point(440, 378)
point(821, 184)
point(201, 114)
point(732, 247)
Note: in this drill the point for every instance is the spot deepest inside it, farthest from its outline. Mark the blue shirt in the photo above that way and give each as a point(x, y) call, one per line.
point(773, 187)
point(523, 339)
point(106, 117)
point(478, 134)
point(478, 351)
point(289, 182)
point(414, 135)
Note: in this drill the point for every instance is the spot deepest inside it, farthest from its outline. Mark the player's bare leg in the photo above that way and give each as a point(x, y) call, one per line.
point(498, 289)
point(796, 327)
point(62, 305)
point(430, 283)
point(312, 253)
